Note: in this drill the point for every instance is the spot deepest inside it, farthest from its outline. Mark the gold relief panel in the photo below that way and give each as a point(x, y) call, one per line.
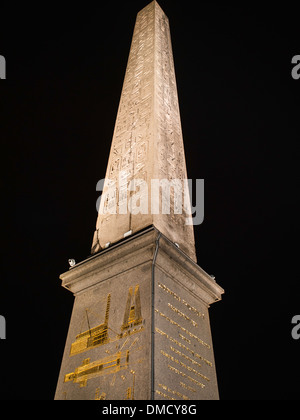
point(93, 337)
point(105, 366)
point(99, 335)
point(133, 314)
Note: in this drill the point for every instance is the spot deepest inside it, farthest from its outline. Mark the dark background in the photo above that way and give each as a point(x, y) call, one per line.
point(240, 112)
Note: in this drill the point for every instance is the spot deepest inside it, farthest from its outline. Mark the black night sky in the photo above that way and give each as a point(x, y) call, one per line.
point(240, 111)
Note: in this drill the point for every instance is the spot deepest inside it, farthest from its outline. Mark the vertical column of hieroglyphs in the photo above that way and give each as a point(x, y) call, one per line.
point(133, 130)
point(170, 149)
point(169, 134)
point(147, 142)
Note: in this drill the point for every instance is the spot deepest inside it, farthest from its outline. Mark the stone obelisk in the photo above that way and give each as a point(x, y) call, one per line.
point(140, 325)
point(147, 142)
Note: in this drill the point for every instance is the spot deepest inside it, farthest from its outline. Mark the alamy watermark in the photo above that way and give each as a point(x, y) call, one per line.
point(162, 196)
point(296, 328)
point(2, 67)
point(296, 69)
point(2, 328)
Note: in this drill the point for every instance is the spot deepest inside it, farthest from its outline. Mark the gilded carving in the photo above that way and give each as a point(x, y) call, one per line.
point(170, 391)
point(98, 336)
point(182, 328)
point(105, 366)
point(173, 340)
point(183, 301)
point(93, 337)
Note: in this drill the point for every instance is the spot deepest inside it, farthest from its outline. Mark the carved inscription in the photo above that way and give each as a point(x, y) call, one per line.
point(178, 312)
point(175, 296)
point(147, 142)
point(181, 345)
point(184, 365)
point(172, 392)
point(182, 328)
point(184, 375)
point(130, 144)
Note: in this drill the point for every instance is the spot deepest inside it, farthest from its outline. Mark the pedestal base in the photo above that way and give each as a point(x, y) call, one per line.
point(140, 325)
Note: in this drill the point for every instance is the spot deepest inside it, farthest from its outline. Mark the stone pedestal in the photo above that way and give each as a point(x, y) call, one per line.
point(140, 325)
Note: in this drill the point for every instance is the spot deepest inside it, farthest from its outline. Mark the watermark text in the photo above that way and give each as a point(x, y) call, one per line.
point(2, 328)
point(296, 69)
point(296, 328)
point(162, 196)
point(2, 67)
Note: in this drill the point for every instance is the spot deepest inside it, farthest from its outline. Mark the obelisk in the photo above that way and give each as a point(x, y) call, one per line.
point(147, 141)
point(140, 325)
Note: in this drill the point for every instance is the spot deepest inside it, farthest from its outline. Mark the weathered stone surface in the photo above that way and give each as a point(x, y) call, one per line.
point(147, 141)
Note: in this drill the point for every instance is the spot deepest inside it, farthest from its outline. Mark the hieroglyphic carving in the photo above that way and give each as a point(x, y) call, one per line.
point(147, 141)
point(132, 132)
point(169, 132)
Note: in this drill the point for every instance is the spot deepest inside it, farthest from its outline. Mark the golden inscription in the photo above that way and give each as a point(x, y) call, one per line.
point(162, 394)
point(178, 312)
point(170, 391)
point(105, 366)
point(185, 356)
point(185, 339)
point(183, 346)
point(183, 301)
point(183, 329)
point(184, 375)
point(190, 369)
point(187, 387)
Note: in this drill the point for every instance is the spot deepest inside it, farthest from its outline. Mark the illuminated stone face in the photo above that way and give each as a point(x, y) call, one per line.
point(147, 142)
